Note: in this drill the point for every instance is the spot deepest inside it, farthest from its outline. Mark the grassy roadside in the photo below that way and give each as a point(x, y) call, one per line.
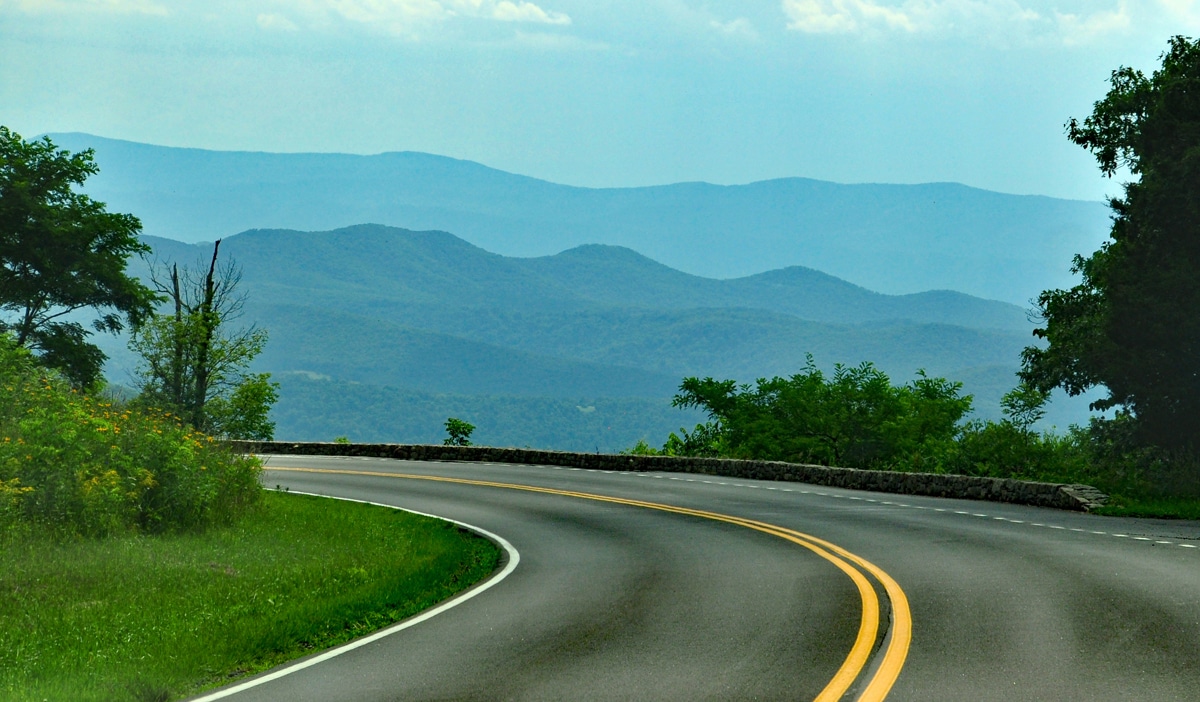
point(1151, 507)
point(160, 617)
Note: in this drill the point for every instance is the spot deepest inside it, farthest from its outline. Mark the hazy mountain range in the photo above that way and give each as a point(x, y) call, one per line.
point(381, 333)
point(890, 238)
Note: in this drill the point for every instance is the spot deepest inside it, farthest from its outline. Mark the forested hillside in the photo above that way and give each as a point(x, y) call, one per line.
point(379, 413)
point(402, 326)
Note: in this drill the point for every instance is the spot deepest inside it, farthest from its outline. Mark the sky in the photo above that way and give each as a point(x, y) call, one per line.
point(600, 93)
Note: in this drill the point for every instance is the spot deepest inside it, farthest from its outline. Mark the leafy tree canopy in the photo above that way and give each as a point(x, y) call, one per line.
point(1132, 324)
point(854, 417)
point(458, 432)
point(61, 252)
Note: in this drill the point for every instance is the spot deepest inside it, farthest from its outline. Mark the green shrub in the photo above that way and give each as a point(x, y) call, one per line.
point(856, 418)
point(458, 432)
point(1125, 464)
point(75, 465)
point(641, 448)
point(853, 417)
point(707, 440)
point(1006, 450)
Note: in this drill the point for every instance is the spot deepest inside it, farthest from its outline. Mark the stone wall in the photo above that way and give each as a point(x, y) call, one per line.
point(1024, 492)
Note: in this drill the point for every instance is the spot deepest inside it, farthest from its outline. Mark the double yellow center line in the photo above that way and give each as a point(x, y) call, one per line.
point(899, 636)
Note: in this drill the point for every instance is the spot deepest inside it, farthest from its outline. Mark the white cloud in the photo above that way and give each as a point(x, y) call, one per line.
point(740, 27)
point(820, 16)
point(1003, 20)
point(144, 7)
point(551, 41)
point(394, 15)
point(1185, 12)
point(410, 17)
point(506, 11)
point(1183, 8)
point(843, 16)
point(276, 22)
point(1081, 29)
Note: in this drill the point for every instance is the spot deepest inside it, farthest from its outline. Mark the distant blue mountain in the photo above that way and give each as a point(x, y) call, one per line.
point(889, 238)
point(354, 311)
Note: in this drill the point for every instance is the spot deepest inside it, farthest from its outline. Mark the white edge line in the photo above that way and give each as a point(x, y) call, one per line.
point(514, 557)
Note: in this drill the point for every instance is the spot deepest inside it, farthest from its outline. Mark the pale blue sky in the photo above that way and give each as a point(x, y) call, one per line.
point(599, 93)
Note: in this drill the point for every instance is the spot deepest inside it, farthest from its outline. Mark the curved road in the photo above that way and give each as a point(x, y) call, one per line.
point(613, 601)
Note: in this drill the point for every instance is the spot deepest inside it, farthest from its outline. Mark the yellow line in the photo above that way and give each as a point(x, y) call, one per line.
point(901, 625)
point(901, 630)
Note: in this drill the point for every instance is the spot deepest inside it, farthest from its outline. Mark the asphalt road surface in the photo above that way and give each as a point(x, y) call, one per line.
point(729, 589)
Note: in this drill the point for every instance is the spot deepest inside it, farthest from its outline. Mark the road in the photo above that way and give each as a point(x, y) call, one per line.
point(618, 601)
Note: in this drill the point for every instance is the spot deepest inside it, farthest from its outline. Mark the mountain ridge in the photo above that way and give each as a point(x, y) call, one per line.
point(442, 266)
point(81, 137)
point(898, 238)
point(431, 316)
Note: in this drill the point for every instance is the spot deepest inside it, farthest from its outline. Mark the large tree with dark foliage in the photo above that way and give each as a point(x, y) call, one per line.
point(62, 253)
point(1132, 325)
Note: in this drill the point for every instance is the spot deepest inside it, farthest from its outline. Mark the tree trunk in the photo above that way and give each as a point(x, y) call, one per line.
point(208, 325)
point(175, 388)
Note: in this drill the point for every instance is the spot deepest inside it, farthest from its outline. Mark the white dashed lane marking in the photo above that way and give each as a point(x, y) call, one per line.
point(903, 505)
point(890, 504)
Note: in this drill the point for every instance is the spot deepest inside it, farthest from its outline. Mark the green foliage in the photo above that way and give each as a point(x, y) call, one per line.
point(459, 432)
point(1132, 325)
point(343, 440)
point(70, 464)
point(1024, 405)
point(641, 448)
point(855, 417)
point(1010, 449)
point(61, 252)
point(1135, 470)
point(706, 440)
point(244, 412)
point(1007, 450)
point(193, 365)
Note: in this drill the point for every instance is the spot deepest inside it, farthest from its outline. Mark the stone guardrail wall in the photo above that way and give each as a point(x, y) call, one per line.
point(1071, 497)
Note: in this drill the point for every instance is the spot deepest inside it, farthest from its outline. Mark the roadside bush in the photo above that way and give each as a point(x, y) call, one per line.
point(458, 432)
point(1124, 463)
point(854, 417)
point(1005, 450)
point(707, 440)
point(641, 448)
point(76, 465)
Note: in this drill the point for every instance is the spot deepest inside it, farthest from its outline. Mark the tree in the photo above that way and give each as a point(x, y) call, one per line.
point(1024, 406)
point(191, 364)
point(1132, 325)
point(61, 253)
point(458, 432)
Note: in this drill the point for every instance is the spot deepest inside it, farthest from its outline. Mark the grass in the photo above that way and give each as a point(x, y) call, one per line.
point(1155, 507)
point(164, 616)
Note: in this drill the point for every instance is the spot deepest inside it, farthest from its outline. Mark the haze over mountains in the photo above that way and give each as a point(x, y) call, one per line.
point(565, 317)
point(890, 238)
point(381, 333)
